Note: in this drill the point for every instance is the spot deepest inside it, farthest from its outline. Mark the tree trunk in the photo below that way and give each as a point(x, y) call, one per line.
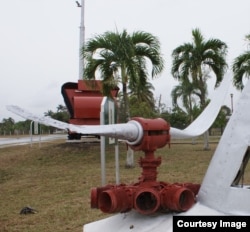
point(125, 96)
point(206, 141)
point(203, 104)
point(130, 158)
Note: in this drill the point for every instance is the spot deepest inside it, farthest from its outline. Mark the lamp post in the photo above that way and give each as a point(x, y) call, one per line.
point(82, 37)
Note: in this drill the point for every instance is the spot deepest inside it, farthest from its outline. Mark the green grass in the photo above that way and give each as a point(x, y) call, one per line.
point(56, 180)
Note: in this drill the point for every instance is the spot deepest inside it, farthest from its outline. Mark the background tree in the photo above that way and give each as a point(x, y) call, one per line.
point(141, 100)
point(22, 127)
point(187, 92)
point(194, 61)
point(122, 58)
point(143, 91)
point(222, 118)
point(177, 117)
point(61, 114)
point(8, 125)
point(241, 67)
point(141, 108)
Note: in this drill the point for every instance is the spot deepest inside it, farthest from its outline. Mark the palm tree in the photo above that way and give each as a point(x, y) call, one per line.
point(8, 124)
point(141, 100)
point(185, 90)
point(49, 113)
point(143, 92)
point(195, 60)
point(121, 57)
point(241, 67)
point(61, 108)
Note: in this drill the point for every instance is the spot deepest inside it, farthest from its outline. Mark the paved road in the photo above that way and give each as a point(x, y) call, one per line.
point(16, 140)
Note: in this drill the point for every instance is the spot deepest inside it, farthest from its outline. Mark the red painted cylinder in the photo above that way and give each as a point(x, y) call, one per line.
point(156, 134)
point(193, 187)
point(95, 193)
point(94, 198)
point(177, 198)
point(116, 200)
point(147, 201)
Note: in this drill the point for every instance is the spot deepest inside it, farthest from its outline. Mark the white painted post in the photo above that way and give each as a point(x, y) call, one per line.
point(31, 139)
point(110, 110)
point(117, 167)
point(40, 136)
point(102, 122)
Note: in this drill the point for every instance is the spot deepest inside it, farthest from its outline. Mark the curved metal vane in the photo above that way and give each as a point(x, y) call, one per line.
point(131, 131)
point(207, 117)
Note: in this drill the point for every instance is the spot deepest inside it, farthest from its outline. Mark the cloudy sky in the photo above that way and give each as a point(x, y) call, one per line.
point(39, 41)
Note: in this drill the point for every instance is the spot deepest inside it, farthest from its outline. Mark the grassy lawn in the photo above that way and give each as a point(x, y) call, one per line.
point(56, 180)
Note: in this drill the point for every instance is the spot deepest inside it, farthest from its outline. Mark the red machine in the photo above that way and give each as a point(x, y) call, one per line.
point(148, 195)
point(83, 100)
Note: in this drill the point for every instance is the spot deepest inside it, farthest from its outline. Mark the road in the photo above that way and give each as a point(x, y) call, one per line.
point(21, 140)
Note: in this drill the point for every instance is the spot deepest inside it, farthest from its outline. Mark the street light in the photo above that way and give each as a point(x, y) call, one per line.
point(82, 37)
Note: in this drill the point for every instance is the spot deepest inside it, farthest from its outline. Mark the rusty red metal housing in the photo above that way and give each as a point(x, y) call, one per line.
point(83, 101)
point(148, 195)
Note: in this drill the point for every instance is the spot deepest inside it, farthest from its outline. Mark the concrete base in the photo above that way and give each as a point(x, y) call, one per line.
point(135, 222)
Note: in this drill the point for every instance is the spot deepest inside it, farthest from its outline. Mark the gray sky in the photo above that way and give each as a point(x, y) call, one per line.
point(40, 41)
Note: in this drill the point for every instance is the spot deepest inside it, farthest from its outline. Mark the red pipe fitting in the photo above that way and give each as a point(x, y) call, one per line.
point(193, 187)
point(155, 134)
point(148, 195)
point(116, 199)
point(145, 197)
point(149, 168)
point(95, 193)
point(177, 198)
point(147, 201)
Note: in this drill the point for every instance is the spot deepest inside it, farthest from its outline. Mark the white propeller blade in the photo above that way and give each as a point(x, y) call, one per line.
point(132, 131)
